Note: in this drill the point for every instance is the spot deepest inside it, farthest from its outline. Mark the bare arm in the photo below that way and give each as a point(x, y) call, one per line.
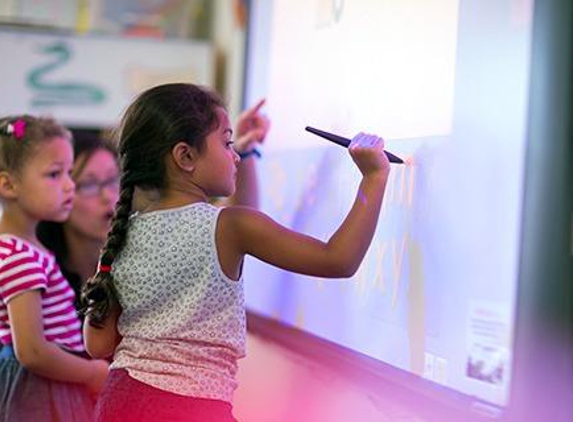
point(253, 233)
point(251, 130)
point(43, 357)
point(101, 341)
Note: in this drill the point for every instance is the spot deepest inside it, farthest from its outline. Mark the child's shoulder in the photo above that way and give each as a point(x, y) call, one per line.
point(241, 212)
point(241, 219)
point(172, 221)
point(174, 210)
point(11, 244)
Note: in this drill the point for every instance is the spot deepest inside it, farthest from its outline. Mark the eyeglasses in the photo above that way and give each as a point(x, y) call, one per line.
point(91, 188)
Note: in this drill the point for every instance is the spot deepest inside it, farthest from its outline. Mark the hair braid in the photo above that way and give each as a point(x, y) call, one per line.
point(99, 293)
point(152, 125)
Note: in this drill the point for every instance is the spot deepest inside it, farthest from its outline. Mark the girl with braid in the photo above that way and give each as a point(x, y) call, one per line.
point(167, 300)
point(77, 242)
point(45, 374)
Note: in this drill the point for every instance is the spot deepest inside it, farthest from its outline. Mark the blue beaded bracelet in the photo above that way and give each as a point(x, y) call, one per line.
point(246, 154)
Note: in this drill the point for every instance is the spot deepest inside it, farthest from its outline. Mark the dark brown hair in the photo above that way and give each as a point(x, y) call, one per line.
point(152, 125)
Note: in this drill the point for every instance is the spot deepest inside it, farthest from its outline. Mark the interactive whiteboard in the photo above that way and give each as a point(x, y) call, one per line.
point(445, 83)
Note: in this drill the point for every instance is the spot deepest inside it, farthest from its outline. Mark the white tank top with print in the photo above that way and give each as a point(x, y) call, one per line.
point(183, 320)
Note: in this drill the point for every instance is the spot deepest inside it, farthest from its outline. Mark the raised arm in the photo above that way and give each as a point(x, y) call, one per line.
point(250, 131)
point(252, 233)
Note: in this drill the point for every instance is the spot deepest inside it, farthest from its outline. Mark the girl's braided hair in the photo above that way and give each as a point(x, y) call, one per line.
point(152, 125)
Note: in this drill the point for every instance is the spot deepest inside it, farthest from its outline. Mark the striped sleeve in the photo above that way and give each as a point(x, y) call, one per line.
point(21, 270)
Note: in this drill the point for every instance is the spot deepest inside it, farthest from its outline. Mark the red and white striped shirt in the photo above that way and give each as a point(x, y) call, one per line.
point(24, 267)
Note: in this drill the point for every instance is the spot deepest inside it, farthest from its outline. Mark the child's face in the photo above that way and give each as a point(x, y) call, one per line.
point(44, 187)
point(97, 192)
point(216, 168)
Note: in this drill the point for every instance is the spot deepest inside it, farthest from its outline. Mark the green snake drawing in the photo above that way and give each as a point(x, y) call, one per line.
point(48, 93)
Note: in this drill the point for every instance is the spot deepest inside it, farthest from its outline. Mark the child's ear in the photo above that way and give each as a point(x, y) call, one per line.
point(7, 185)
point(184, 156)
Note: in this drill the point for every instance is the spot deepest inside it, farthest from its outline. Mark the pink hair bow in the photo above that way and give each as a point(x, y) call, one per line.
point(18, 128)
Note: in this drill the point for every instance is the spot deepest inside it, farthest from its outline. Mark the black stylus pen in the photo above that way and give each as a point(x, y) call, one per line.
point(345, 142)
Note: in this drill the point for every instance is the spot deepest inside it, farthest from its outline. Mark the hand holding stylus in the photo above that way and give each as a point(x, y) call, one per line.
point(345, 142)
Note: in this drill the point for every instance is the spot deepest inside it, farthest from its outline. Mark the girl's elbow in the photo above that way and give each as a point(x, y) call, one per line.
point(348, 271)
point(98, 352)
point(341, 263)
point(342, 269)
point(98, 349)
point(99, 343)
point(30, 357)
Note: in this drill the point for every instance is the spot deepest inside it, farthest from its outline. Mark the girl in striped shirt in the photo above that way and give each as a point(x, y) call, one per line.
point(44, 373)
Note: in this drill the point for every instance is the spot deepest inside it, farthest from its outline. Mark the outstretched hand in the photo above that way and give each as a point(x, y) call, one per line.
point(251, 128)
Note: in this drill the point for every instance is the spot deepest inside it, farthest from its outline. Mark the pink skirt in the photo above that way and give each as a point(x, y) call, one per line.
point(125, 399)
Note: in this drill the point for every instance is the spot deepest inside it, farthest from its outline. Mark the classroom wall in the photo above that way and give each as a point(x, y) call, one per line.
point(98, 37)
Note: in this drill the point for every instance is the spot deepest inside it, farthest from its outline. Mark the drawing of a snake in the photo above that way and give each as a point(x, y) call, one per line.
point(49, 93)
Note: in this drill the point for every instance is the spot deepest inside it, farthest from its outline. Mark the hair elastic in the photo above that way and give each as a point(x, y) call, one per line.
point(103, 268)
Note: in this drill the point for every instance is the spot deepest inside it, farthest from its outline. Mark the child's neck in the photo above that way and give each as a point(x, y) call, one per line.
point(19, 224)
point(169, 198)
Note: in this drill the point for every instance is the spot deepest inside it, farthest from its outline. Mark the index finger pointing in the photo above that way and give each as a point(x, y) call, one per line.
point(255, 109)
